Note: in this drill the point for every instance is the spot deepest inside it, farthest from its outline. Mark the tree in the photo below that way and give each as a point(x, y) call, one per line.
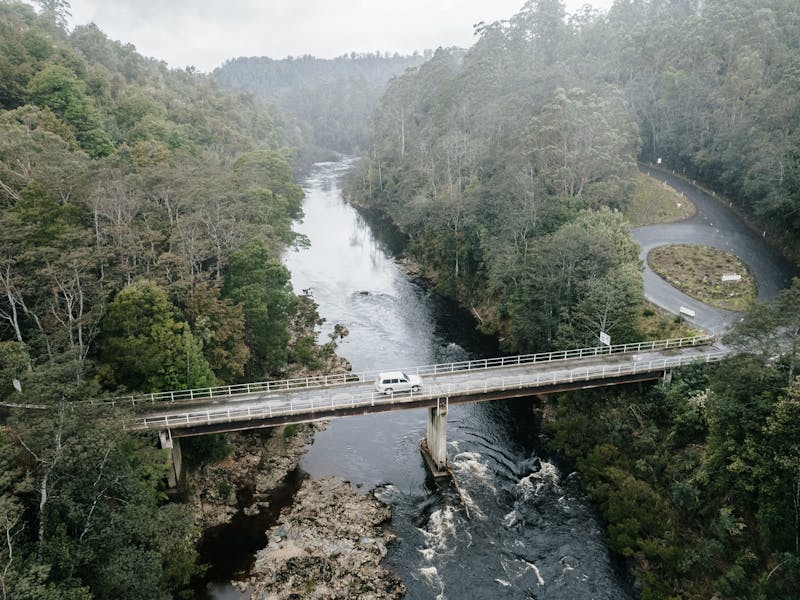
point(145, 348)
point(771, 331)
point(257, 280)
point(778, 469)
point(220, 324)
point(55, 10)
point(59, 89)
point(573, 279)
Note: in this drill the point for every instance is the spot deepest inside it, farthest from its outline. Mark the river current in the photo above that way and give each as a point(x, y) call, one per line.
point(527, 530)
point(530, 532)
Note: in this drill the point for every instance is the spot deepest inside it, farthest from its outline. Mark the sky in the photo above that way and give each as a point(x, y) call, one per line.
point(205, 33)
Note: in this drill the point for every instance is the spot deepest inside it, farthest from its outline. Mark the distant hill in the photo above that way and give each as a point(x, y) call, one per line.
point(334, 97)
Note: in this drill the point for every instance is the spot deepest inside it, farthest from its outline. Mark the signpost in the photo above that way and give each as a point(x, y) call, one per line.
point(605, 338)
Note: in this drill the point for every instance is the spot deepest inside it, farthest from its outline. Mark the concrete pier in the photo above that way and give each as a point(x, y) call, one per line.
point(434, 448)
point(175, 458)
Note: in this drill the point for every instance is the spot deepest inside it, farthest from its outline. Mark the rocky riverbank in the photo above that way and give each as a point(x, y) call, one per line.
point(330, 540)
point(258, 462)
point(330, 545)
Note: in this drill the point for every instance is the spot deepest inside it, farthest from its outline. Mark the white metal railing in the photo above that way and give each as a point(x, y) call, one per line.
point(304, 409)
point(322, 381)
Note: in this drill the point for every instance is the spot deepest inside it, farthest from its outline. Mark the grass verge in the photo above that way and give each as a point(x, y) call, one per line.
point(655, 202)
point(697, 271)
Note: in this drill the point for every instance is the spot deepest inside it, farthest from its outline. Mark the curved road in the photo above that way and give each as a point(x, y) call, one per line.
point(714, 225)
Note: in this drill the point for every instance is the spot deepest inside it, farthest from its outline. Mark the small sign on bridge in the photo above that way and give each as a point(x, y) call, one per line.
point(605, 338)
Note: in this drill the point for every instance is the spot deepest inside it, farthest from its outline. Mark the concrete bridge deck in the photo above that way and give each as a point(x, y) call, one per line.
point(273, 403)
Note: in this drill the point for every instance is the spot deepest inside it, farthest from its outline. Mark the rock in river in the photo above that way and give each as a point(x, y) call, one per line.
point(330, 545)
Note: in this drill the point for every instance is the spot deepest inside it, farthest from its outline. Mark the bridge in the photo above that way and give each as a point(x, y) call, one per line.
point(183, 413)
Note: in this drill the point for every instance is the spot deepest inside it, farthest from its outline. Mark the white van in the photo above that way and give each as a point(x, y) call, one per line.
point(391, 382)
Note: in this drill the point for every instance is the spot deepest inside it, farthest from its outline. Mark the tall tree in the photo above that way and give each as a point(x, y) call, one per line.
point(145, 348)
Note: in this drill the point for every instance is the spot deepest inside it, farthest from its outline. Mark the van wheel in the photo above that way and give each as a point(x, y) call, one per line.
point(388, 391)
point(415, 388)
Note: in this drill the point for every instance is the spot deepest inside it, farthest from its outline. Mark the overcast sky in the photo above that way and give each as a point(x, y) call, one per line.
point(204, 33)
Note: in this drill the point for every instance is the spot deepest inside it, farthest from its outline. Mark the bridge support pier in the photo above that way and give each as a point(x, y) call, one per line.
point(434, 447)
point(667, 377)
point(175, 458)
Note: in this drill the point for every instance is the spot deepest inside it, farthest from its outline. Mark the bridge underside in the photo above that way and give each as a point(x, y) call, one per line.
point(429, 402)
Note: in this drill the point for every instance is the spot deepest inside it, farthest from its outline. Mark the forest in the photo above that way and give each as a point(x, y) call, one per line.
point(488, 158)
point(510, 166)
point(143, 212)
point(332, 99)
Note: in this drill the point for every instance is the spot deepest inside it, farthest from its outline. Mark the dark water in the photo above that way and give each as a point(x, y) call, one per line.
point(229, 549)
point(532, 533)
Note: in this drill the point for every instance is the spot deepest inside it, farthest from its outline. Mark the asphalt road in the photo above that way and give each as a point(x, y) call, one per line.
point(715, 225)
point(307, 404)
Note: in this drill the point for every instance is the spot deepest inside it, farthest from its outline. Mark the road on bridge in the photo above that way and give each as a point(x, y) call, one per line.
point(714, 225)
point(512, 376)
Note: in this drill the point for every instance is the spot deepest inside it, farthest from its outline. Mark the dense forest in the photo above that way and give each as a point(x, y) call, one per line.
point(510, 166)
point(699, 480)
point(143, 214)
point(488, 158)
point(332, 98)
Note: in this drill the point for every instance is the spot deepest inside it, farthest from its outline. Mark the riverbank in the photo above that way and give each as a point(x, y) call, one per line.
point(330, 544)
point(257, 463)
point(259, 485)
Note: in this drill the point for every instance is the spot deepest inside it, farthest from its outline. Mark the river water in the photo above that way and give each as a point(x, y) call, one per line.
point(531, 532)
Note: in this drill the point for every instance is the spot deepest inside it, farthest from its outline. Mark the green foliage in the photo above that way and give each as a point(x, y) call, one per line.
point(14, 361)
point(205, 449)
point(59, 89)
point(487, 158)
point(257, 280)
point(698, 481)
point(578, 281)
point(220, 325)
point(771, 331)
point(145, 348)
point(289, 431)
point(126, 192)
point(95, 522)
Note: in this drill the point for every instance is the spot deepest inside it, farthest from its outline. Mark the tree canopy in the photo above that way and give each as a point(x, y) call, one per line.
point(132, 199)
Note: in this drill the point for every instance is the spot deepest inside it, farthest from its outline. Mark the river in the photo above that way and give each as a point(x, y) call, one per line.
point(530, 532)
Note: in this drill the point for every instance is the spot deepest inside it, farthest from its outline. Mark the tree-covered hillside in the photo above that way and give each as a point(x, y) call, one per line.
point(143, 213)
point(506, 164)
point(334, 98)
point(483, 156)
point(715, 88)
point(699, 480)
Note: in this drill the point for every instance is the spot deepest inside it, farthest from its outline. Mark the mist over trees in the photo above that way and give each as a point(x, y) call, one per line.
point(333, 99)
point(144, 210)
point(482, 155)
point(490, 159)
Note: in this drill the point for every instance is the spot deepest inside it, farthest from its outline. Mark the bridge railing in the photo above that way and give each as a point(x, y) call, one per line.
point(337, 379)
point(330, 401)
